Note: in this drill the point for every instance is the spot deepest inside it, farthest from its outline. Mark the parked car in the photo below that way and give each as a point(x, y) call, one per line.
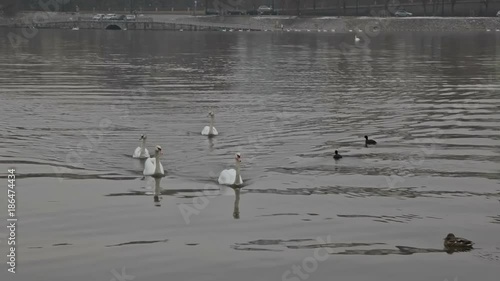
point(403, 13)
point(235, 12)
point(252, 12)
point(130, 17)
point(110, 17)
point(212, 12)
point(98, 17)
point(264, 10)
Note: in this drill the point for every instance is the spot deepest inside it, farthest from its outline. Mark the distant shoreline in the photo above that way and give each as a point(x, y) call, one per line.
point(271, 23)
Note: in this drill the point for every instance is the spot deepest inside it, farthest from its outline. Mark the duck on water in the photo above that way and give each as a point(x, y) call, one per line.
point(369, 141)
point(451, 242)
point(337, 156)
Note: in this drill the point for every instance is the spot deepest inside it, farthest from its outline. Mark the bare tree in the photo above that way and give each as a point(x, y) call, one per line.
point(357, 7)
point(435, 3)
point(442, 8)
point(424, 5)
point(453, 2)
point(8, 7)
point(386, 7)
point(486, 3)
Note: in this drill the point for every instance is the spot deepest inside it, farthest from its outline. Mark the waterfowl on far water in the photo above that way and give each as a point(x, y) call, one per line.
point(369, 141)
point(337, 156)
point(210, 130)
point(153, 166)
point(141, 151)
point(453, 243)
point(232, 177)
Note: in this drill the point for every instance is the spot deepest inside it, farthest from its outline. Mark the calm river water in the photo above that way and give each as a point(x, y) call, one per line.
point(74, 104)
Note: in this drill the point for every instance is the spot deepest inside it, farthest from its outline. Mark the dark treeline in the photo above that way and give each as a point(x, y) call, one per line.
point(301, 7)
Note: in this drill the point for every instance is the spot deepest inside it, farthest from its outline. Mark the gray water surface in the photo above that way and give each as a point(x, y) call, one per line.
point(74, 104)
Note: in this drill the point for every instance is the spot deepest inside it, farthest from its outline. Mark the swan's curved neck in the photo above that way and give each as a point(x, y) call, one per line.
point(237, 179)
point(211, 130)
point(157, 166)
point(143, 145)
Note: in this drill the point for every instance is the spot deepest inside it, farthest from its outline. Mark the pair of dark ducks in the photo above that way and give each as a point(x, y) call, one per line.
point(368, 141)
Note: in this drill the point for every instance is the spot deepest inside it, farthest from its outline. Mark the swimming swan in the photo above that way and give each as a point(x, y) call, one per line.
point(232, 176)
point(210, 130)
point(153, 166)
point(141, 151)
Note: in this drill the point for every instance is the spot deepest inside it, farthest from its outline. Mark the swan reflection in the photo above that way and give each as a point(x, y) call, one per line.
point(156, 197)
point(236, 210)
point(211, 144)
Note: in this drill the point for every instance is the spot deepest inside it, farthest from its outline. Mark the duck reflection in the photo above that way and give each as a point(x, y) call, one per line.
point(236, 210)
point(156, 197)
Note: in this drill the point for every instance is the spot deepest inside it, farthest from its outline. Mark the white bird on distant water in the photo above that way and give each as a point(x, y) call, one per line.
point(153, 166)
point(141, 151)
point(232, 176)
point(356, 38)
point(210, 130)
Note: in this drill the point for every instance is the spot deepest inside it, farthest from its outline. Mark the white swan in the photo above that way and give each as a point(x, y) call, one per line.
point(153, 166)
point(141, 151)
point(210, 130)
point(232, 176)
point(356, 38)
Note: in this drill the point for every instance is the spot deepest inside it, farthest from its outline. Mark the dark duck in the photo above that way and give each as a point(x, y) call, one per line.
point(369, 141)
point(337, 156)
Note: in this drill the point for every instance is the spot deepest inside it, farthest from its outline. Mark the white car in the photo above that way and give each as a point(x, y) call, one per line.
point(110, 17)
point(130, 17)
point(98, 17)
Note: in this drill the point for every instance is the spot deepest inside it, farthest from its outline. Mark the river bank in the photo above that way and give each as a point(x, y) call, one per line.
point(286, 23)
